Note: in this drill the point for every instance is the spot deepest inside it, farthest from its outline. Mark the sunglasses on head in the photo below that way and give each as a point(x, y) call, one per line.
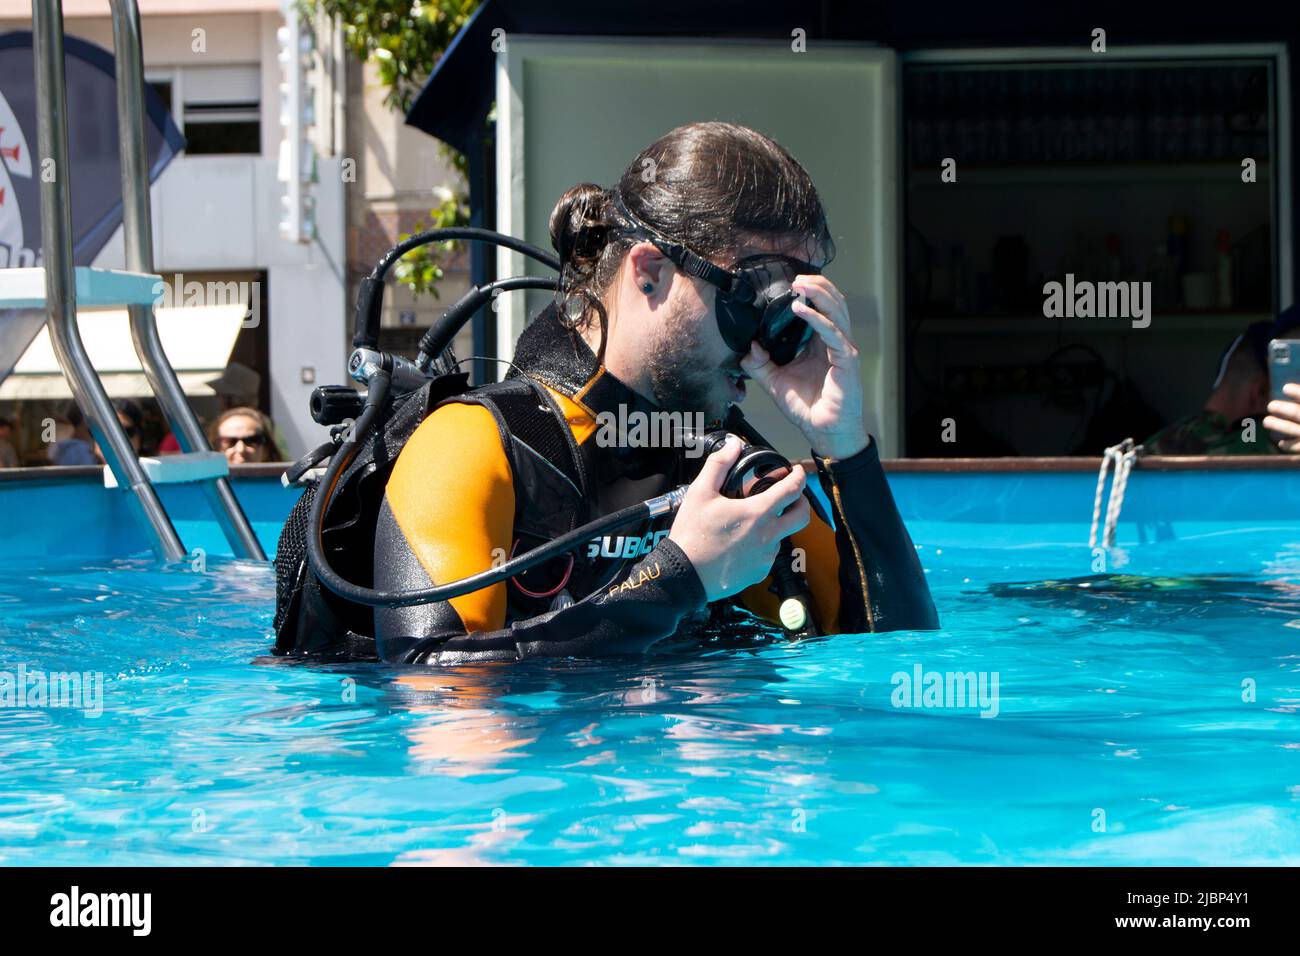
point(755, 301)
point(250, 441)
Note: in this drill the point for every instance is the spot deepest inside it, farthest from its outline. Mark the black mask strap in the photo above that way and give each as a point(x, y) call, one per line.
point(679, 254)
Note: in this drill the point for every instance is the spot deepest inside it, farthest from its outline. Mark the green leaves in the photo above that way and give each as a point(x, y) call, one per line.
point(404, 39)
point(421, 269)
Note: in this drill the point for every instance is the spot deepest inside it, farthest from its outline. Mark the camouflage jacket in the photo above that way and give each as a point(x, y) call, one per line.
point(1208, 433)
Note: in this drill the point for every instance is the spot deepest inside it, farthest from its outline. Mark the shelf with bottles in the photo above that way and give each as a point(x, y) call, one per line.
point(1181, 275)
point(1075, 174)
point(1154, 112)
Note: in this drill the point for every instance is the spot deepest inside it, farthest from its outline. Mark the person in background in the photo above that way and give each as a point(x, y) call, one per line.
point(131, 417)
point(154, 428)
point(8, 454)
point(245, 436)
point(236, 387)
point(1284, 419)
point(73, 443)
point(1284, 416)
point(1238, 398)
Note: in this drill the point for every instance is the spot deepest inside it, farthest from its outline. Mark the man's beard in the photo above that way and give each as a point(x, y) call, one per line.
point(680, 376)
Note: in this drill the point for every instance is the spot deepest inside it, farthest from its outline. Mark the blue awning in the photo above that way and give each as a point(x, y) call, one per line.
point(454, 102)
point(459, 91)
point(458, 94)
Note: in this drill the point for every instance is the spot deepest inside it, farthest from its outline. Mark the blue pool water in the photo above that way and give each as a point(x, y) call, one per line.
point(1121, 734)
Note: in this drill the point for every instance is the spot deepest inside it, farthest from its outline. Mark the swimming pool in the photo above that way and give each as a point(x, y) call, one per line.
point(1144, 714)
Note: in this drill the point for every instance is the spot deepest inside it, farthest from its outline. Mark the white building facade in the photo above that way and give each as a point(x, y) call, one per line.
point(218, 207)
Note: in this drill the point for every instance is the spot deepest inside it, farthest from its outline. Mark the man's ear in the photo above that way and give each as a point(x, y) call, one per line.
point(647, 265)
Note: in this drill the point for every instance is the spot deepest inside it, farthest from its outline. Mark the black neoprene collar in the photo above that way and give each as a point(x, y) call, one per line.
point(560, 357)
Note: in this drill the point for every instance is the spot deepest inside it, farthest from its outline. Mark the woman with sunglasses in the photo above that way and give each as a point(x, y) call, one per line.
point(245, 436)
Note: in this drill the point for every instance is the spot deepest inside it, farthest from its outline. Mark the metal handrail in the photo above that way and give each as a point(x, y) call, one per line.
point(60, 283)
point(137, 232)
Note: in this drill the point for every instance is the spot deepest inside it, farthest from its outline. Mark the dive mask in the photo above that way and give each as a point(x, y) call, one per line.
point(755, 302)
point(759, 307)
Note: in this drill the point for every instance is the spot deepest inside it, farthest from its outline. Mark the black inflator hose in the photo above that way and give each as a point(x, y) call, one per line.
point(370, 597)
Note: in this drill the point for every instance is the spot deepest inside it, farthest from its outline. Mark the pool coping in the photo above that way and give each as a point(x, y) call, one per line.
point(58, 473)
point(1089, 464)
point(79, 472)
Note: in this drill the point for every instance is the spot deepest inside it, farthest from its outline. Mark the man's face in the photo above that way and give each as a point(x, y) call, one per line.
point(691, 368)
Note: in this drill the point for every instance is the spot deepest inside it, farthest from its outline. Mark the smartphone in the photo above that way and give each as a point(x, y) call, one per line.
point(1283, 366)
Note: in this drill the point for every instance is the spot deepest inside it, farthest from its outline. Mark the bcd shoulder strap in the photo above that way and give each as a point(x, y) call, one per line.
point(527, 415)
point(534, 433)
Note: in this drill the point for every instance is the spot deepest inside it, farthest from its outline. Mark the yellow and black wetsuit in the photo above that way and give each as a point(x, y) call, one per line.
point(465, 494)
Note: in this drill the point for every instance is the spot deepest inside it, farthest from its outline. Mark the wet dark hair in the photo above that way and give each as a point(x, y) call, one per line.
point(712, 186)
point(131, 409)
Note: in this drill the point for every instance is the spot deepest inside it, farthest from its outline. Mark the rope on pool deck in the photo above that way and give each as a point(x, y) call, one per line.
point(1123, 455)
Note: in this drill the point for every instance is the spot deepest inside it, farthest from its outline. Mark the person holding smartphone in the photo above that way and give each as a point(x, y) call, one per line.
point(1228, 423)
point(1283, 418)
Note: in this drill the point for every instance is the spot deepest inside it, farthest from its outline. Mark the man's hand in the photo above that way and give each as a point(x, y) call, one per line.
point(1284, 419)
point(821, 390)
point(732, 542)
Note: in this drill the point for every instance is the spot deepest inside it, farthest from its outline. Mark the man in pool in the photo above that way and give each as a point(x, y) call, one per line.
point(636, 332)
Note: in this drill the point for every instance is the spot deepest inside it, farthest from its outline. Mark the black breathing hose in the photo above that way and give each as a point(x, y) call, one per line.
point(443, 592)
point(365, 335)
point(370, 597)
point(376, 395)
point(371, 294)
point(472, 233)
point(366, 326)
point(442, 331)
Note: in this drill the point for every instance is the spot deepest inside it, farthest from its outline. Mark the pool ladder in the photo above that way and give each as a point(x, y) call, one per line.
point(133, 289)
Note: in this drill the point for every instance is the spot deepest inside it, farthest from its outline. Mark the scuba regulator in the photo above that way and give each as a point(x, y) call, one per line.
point(758, 468)
point(757, 307)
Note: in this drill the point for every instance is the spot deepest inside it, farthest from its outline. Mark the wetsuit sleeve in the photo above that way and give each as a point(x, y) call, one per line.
point(448, 512)
point(865, 575)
